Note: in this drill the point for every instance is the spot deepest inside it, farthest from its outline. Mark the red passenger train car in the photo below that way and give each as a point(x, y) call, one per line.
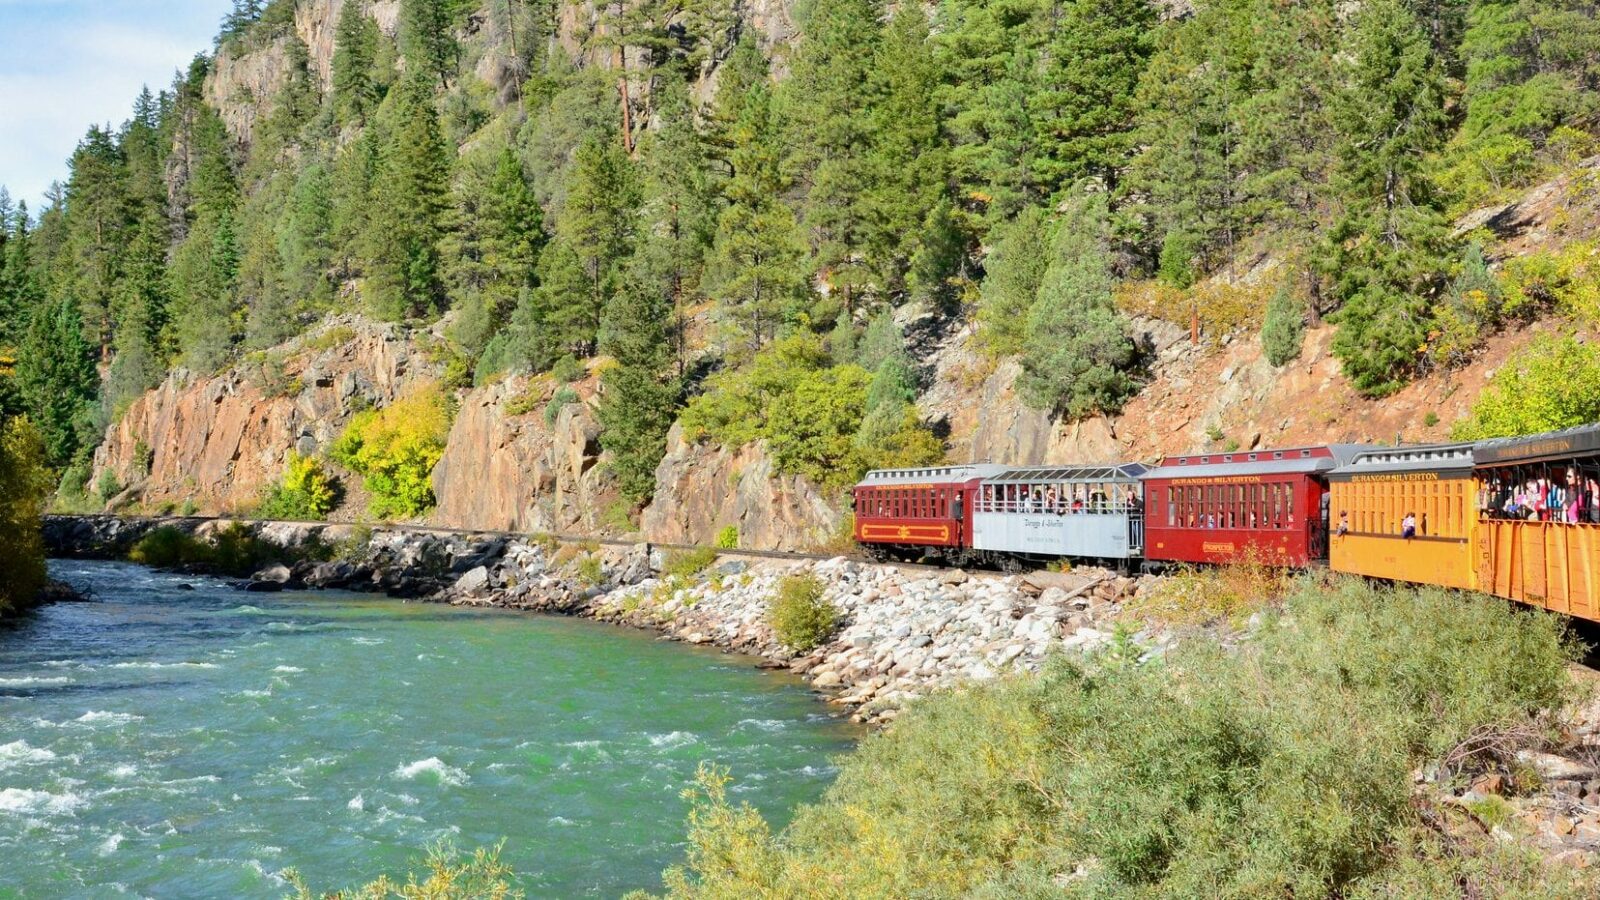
point(1216, 507)
point(916, 512)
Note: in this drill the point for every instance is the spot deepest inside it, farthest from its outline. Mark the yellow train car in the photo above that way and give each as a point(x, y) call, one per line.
point(1538, 539)
point(1405, 514)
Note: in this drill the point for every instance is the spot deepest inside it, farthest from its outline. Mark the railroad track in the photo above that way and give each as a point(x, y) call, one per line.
point(796, 555)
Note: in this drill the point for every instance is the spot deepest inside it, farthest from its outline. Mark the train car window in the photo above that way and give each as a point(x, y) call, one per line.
point(1288, 505)
point(1171, 512)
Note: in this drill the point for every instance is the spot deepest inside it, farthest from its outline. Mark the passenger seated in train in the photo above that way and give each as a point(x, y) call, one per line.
point(1561, 493)
point(1408, 526)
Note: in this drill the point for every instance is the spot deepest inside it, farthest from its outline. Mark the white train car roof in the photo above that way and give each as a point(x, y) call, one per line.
point(1086, 474)
point(931, 475)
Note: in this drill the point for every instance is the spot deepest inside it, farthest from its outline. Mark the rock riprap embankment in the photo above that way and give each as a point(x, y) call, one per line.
point(902, 631)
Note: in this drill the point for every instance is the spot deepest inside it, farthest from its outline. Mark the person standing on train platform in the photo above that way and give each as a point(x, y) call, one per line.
point(1408, 526)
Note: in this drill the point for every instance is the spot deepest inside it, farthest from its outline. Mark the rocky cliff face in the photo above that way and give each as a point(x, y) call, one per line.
point(506, 470)
point(243, 80)
point(218, 441)
point(511, 463)
point(702, 489)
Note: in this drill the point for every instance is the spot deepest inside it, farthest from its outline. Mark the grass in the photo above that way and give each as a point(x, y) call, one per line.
point(686, 564)
point(1279, 768)
point(336, 336)
point(1226, 593)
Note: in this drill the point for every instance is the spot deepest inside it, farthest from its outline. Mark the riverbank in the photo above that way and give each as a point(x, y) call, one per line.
point(907, 632)
point(903, 631)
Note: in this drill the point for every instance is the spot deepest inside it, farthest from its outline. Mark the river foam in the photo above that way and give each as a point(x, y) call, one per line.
point(21, 753)
point(435, 768)
point(38, 803)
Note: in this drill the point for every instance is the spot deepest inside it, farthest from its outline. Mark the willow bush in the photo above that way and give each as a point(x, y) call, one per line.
point(394, 449)
point(1281, 767)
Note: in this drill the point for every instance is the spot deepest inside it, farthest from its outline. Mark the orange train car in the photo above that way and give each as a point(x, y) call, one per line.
point(1372, 497)
point(1538, 534)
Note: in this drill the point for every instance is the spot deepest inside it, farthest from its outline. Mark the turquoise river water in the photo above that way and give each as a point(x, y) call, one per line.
point(164, 742)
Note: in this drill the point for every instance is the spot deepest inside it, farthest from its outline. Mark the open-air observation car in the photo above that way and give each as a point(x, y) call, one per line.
point(1048, 512)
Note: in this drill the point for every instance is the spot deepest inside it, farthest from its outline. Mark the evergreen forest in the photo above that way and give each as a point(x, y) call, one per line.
point(734, 223)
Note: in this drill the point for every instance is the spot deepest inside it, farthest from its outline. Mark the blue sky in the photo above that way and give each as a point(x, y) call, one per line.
point(67, 64)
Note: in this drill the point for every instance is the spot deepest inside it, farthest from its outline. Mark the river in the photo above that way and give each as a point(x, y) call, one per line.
point(169, 742)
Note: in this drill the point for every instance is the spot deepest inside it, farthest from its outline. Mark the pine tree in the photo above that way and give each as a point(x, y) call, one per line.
point(305, 242)
point(351, 190)
point(1384, 252)
point(203, 275)
point(1078, 358)
point(57, 379)
point(679, 204)
point(756, 269)
point(1283, 327)
point(1084, 110)
point(745, 68)
point(238, 20)
point(427, 37)
point(141, 343)
point(642, 394)
point(269, 310)
point(1013, 272)
point(1191, 165)
point(410, 198)
point(97, 220)
point(598, 225)
point(493, 253)
point(826, 107)
point(355, 86)
point(908, 166)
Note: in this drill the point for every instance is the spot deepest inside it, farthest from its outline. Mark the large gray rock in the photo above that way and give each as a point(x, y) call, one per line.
point(472, 582)
point(277, 573)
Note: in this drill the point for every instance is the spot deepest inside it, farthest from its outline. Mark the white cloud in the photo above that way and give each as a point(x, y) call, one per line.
point(70, 64)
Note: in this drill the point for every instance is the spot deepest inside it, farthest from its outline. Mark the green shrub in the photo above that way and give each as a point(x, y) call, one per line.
point(689, 563)
point(728, 538)
point(107, 485)
point(395, 449)
point(800, 616)
point(446, 877)
point(1552, 383)
point(24, 485)
point(810, 413)
point(590, 571)
point(617, 517)
point(305, 493)
point(552, 410)
point(567, 370)
point(234, 550)
point(1283, 329)
point(1430, 419)
point(1280, 767)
